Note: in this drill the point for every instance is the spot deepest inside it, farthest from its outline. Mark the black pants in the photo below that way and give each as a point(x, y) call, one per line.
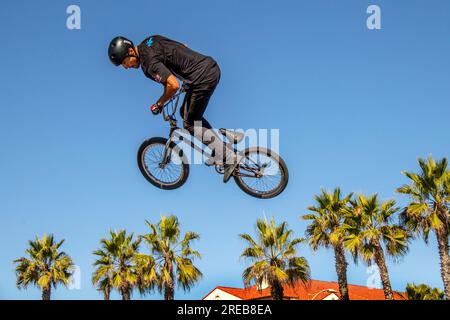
point(197, 98)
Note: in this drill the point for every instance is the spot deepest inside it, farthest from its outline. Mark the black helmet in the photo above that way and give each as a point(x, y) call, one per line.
point(118, 50)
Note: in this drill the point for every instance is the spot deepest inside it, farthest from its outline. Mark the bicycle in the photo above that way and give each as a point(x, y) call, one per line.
point(260, 173)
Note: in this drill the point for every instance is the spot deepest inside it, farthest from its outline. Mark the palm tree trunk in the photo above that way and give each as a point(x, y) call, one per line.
point(341, 270)
point(46, 293)
point(106, 294)
point(276, 291)
point(381, 263)
point(126, 294)
point(442, 238)
point(169, 291)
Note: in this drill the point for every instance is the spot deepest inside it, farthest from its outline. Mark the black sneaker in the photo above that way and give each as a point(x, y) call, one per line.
point(228, 171)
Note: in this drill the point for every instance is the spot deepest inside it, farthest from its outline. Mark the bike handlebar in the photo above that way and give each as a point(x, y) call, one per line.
point(176, 96)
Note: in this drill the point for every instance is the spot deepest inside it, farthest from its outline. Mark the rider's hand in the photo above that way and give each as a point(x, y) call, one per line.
point(156, 108)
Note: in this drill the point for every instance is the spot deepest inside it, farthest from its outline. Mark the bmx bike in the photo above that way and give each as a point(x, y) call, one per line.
point(260, 172)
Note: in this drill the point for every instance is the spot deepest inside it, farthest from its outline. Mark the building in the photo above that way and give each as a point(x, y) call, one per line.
point(314, 290)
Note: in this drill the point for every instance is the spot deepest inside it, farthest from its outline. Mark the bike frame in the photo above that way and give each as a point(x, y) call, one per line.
point(174, 135)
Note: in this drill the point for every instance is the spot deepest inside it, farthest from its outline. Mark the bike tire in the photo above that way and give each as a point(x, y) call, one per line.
point(150, 177)
point(282, 167)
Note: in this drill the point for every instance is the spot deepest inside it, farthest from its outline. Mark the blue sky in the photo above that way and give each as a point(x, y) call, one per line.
point(355, 107)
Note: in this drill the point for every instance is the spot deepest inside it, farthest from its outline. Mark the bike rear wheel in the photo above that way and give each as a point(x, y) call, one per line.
point(262, 173)
point(164, 176)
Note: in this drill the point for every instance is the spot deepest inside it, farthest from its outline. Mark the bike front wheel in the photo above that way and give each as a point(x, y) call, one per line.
point(261, 173)
point(164, 174)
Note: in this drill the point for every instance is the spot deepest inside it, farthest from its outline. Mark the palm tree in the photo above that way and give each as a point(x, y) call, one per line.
point(104, 285)
point(274, 258)
point(173, 256)
point(423, 292)
point(428, 210)
point(325, 230)
point(369, 223)
point(46, 266)
point(117, 266)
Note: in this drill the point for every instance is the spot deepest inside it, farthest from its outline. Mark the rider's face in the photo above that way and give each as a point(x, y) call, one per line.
point(130, 62)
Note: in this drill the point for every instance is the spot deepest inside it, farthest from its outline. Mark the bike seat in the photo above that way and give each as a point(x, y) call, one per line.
point(233, 136)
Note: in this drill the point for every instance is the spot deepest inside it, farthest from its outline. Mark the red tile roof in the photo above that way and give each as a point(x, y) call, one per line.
point(301, 291)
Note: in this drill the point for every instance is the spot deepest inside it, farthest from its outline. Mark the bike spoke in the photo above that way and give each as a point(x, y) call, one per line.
point(268, 167)
point(153, 157)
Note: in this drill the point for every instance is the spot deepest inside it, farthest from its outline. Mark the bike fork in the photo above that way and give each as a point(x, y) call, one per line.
point(167, 154)
point(167, 149)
